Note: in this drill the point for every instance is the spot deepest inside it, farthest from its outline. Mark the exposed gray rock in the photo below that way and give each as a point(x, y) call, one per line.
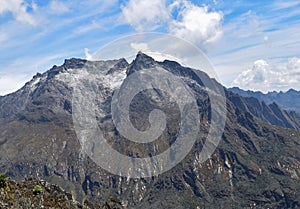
point(256, 165)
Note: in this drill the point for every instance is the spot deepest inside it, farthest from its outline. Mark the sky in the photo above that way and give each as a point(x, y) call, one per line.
point(251, 44)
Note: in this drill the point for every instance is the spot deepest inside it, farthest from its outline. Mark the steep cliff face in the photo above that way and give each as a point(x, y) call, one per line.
point(256, 165)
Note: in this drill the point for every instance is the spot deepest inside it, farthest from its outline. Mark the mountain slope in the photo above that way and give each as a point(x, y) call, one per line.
point(33, 193)
point(271, 113)
point(256, 165)
point(289, 100)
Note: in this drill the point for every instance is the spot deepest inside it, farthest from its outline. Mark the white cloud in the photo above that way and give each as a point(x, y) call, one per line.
point(34, 6)
point(265, 77)
point(183, 19)
point(11, 83)
point(284, 4)
point(246, 25)
point(144, 14)
point(58, 7)
point(139, 47)
point(196, 24)
point(262, 32)
point(19, 10)
point(86, 28)
point(88, 56)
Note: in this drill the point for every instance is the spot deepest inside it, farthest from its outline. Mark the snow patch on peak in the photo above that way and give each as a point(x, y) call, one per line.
point(72, 76)
point(111, 81)
point(33, 84)
point(116, 79)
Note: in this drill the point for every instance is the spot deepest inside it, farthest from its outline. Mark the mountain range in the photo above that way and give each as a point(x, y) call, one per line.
point(289, 100)
point(256, 164)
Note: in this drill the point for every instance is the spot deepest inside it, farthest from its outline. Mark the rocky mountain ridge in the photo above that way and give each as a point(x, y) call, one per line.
point(289, 100)
point(256, 164)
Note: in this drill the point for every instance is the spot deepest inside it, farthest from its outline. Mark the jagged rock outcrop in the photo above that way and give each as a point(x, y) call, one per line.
point(33, 193)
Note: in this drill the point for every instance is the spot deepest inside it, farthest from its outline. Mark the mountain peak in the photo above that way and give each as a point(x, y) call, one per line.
point(42, 116)
point(143, 57)
point(292, 91)
point(140, 62)
point(74, 63)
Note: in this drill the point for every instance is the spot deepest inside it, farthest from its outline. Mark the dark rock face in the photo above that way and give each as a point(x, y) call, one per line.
point(256, 165)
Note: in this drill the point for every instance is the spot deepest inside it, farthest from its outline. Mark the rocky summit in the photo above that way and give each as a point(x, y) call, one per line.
point(255, 165)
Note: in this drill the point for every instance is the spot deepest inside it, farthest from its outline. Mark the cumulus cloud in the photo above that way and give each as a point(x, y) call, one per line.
point(196, 24)
point(145, 15)
point(264, 76)
point(181, 18)
point(19, 10)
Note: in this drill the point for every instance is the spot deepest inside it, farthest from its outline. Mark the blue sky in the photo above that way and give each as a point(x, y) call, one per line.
point(252, 44)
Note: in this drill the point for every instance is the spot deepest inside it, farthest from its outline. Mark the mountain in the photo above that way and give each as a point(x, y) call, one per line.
point(289, 100)
point(271, 113)
point(256, 164)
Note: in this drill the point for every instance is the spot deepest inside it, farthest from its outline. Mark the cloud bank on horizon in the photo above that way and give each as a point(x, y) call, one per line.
point(265, 76)
point(252, 44)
